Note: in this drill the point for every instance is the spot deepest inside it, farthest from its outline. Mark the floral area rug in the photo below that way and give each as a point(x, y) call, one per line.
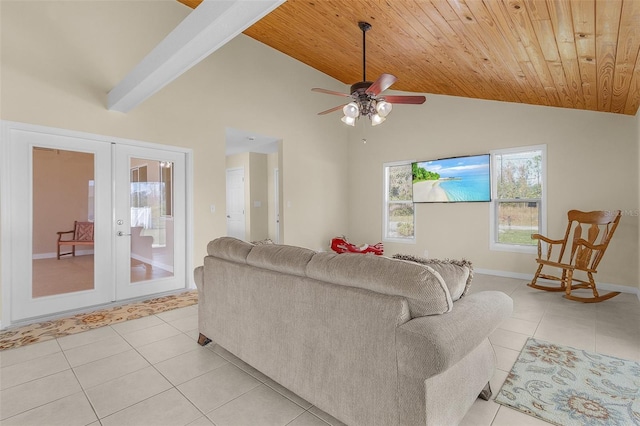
point(567, 386)
point(47, 330)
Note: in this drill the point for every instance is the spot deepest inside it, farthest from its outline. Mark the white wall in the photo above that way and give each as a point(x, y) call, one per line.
point(59, 59)
point(592, 165)
point(259, 197)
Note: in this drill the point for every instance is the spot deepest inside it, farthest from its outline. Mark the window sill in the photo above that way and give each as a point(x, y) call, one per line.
point(514, 248)
point(399, 240)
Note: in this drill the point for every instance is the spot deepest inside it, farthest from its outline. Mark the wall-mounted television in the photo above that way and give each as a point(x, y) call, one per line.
point(452, 180)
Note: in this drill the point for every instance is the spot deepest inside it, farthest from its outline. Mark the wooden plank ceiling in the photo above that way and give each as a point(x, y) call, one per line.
point(579, 54)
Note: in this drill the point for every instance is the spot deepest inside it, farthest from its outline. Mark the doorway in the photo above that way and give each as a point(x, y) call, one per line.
point(131, 197)
point(260, 157)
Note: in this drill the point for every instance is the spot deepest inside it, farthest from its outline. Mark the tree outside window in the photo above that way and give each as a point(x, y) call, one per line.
point(398, 205)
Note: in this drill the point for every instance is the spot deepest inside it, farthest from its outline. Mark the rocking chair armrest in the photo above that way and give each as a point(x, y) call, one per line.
point(587, 244)
point(556, 264)
point(545, 239)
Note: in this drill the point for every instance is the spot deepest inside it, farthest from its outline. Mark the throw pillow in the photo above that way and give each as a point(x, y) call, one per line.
point(261, 242)
point(457, 274)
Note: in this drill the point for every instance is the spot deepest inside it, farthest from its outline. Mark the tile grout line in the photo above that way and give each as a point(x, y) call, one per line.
point(48, 375)
point(121, 335)
point(265, 384)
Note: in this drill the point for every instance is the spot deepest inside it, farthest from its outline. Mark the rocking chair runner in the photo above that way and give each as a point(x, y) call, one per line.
point(82, 234)
point(585, 253)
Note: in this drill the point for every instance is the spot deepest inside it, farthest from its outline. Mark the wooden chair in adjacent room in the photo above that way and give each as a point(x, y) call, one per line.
point(81, 235)
point(586, 252)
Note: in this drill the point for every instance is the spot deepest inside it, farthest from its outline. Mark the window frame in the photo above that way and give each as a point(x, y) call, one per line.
point(494, 245)
point(165, 175)
point(385, 204)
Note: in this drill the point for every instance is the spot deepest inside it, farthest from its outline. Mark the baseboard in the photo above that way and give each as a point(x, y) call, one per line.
point(529, 277)
point(54, 255)
point(168, 268)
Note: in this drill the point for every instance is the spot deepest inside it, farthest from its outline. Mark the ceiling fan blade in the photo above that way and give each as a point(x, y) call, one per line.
point(381, 84)
point(331, 110)
point(416, 100)
point(329, 92)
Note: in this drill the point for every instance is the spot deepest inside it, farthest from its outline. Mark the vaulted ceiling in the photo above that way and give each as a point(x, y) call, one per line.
point(579, 54)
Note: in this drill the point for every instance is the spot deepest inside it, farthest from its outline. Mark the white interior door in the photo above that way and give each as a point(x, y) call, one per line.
point(235, 203)
point(54, 181)
point(150, 221)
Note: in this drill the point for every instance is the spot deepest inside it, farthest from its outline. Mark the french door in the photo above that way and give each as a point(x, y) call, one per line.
point(133, 196)
point(149, 221)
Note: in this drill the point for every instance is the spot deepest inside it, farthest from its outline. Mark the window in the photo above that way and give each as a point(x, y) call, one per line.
point(519, 206)
point(398, 218)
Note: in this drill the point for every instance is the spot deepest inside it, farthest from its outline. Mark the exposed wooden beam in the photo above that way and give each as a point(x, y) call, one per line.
point(210, 26)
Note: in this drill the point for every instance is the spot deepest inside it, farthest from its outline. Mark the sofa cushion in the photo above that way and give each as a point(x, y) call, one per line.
point(229, 248)
point(280, 258)
point(457, 274)
point(424, 289)
point(429, 346)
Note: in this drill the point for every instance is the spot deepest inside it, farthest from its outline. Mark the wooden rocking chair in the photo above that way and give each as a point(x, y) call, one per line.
point(585, 253)
point(82, 235)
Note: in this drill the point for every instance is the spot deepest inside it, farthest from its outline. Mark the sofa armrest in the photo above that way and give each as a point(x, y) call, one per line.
point(429, 345)
point(198, 277)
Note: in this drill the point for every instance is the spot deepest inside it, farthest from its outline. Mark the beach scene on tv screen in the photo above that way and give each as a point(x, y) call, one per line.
point(457, 179)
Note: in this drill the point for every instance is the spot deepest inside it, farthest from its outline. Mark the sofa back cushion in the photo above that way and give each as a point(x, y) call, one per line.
point(280, 258)
point(424, 289)
point(229, 248)
point(422, 286)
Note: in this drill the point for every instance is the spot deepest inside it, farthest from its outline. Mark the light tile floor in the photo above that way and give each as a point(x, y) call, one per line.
point(151, 371)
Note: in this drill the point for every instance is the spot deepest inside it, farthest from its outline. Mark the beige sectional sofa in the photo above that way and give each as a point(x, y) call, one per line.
point(368, 339)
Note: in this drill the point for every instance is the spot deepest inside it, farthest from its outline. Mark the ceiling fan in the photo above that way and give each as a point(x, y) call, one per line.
point(366, 98)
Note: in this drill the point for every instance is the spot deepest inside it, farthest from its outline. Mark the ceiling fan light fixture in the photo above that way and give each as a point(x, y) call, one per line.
point(350, 121)
point(351, 110)
point(377, 119)
point(383, 108)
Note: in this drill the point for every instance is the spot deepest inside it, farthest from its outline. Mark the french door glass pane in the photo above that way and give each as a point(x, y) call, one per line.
point(63, 194)
point(152, 234)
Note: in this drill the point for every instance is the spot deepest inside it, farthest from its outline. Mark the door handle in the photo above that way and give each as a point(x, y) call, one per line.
point(122, 234)
point(229, 216)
